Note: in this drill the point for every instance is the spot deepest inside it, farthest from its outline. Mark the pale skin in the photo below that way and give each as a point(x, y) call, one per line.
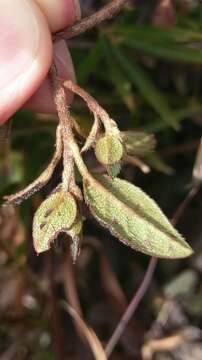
point(27, 52)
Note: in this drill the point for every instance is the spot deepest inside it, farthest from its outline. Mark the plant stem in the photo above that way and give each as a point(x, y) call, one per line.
point(106, 13)
point(58, 335)
point(184, 204)
point(132, 307)
point(68, 167)
point(78, 159)
point(42, 179)
point(135, 161)
point(66, 128)
point(70, 288)
point(70, 145)
point(109, 124)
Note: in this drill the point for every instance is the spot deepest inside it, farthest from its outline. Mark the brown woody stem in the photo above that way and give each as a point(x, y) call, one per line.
point(70, 145)
point(106, 13)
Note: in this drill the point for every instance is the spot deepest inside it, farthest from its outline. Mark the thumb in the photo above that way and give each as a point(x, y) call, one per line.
point(25, 53)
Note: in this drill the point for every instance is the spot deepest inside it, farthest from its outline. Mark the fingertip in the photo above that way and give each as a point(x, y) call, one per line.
point(25, 53)
point(42, 100)
point(60, 13)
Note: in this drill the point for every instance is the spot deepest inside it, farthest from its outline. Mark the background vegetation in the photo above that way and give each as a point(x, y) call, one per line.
point(144, 67)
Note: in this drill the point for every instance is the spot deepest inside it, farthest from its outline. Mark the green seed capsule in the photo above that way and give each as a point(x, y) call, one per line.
point(109, 150)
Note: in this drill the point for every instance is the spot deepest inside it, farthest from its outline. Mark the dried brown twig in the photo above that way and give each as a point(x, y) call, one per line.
point(106, 13)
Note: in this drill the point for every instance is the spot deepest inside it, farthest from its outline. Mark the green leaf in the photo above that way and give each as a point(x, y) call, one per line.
point(56, 214)
point(134, 218)
point(173, 44)
point(90, 63)
point(174, 35)
point(121, 83)
point(168, 51)
point(146, 87)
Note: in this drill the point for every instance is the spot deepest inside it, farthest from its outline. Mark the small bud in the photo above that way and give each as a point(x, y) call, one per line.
point(138, 143)
point(109, 150)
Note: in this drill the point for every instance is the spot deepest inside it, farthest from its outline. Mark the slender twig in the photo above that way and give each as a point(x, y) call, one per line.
point(184, 204)
point(106, 13)
point(70, 288)
point(138, 296)
point(131, 307)
point(43, 179)
point(70, 284)
point(109, 124)
point(135, 161)
point(66, 122)
point(58, 336)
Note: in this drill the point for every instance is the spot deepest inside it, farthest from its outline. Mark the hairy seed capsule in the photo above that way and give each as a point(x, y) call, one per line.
point(109, 150)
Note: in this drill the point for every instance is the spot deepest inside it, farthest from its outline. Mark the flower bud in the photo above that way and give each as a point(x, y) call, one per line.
point(138, 143)
point(109, 150)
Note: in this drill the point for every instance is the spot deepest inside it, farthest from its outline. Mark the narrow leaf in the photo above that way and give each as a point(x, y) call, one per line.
point(146, 87)
point(152, 34)
point(121, 83)
point(56, 214)
point(170, 44)
point(159, 164)
point(134, 218)
point(89, 63)
point(167, 51)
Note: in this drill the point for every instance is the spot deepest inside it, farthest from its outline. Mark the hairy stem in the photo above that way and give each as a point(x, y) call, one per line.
point(106, 13)
point(109, 124)
point(70, 144)
point(78, 159)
